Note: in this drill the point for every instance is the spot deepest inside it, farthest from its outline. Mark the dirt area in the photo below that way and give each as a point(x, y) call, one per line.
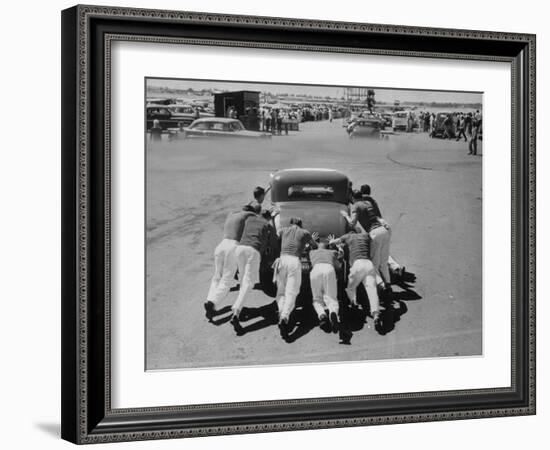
point(429, 190)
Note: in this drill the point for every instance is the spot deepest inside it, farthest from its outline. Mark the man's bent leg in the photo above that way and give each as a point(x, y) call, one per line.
point(354, 279)
point(370, 286)
point(218, 269)
point(316, 281)
point(228, 273)
point(293, 284)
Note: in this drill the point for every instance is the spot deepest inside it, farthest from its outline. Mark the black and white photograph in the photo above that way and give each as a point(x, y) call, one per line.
point(293, 224)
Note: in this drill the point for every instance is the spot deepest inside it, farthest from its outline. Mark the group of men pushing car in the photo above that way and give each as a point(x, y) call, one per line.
point(247, 233)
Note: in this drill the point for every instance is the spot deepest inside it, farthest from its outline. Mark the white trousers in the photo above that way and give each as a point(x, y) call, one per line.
point(248, 262)
point(225, 266)
point(393, 264)
point(289, 281)
point(363, 271)
point(380, 251)
point(324, 289)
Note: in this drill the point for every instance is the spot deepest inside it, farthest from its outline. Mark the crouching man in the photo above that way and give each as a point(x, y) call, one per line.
point(225, 260)
point(362, 270)
point(288, 269)
point(324, 288)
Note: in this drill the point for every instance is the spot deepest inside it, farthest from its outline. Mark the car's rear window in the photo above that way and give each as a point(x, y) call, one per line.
point(310, 192)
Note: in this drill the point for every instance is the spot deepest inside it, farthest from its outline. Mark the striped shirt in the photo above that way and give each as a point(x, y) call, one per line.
point(324, 256)
point(294, 240)
point(358, 245)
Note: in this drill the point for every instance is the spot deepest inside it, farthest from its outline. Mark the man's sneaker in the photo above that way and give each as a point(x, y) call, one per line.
point(377, 320)
point(283, 328)
point(334, 322)
point(236, 325)
point(210, 309)
point(400, 272)
point(324, 324)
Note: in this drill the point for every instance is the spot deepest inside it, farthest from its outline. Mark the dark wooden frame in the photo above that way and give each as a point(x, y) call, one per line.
point(87, 32)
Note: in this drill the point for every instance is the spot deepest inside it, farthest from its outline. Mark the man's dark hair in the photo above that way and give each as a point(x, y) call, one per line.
point(252, 208)
point(357, 195)
point(258, 192)
point(296, 221)
point(365, 189)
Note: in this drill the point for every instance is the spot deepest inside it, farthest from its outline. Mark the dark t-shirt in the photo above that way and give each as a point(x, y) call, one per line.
point(255, 233)
point(374, 204)
point(324, 256)
point(366, 215)
point(358, 245)
point(294, 240)
point(234, 224)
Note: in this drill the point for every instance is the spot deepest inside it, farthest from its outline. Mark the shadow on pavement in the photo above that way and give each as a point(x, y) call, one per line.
point(268, 314)
point(304, 319)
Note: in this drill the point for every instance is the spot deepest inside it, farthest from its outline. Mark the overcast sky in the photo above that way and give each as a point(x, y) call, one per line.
point(382, 95)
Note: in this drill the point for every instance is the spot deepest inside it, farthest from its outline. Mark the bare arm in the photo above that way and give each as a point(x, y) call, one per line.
point(332, 240)
point(313, 240)
point(351, 219)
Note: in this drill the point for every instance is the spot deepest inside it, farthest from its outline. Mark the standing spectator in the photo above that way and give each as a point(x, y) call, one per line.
point(455, 124)
point(427, 118)
point(461, 130)
point(473, 138)
point(447, 125)
point(267, 121)
point(262, 119)
point(156, 130)
point(432, 124)
point(468, 124)
point(274, 121)
point(280, 122)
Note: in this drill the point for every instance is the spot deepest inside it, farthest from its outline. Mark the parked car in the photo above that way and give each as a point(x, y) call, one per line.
point(186, 114)
point(399, 120)
point(161, 113)
point(439, 127)
point(220, 127)
point(366, 127)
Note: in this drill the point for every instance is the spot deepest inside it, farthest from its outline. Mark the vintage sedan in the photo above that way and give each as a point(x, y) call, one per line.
point(317, 196)
point(400, 120)
point(438, 130)
point(211, 127)
point(366, 127)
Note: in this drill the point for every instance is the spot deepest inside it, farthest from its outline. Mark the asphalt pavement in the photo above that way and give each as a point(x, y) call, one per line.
point(429, 190)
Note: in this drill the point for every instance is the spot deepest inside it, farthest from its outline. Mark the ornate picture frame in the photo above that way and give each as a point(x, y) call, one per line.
point(87, 35)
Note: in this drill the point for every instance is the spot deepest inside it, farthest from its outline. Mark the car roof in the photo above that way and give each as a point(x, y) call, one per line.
point(309, 175)
point(284, 179)
point(216, 119)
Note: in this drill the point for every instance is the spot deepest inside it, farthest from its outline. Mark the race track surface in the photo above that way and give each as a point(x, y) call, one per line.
point(429, 190)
